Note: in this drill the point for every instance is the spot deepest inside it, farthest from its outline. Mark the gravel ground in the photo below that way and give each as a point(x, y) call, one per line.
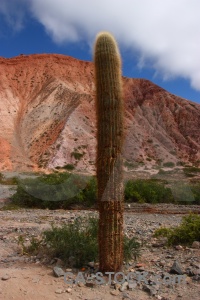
point(32, 277)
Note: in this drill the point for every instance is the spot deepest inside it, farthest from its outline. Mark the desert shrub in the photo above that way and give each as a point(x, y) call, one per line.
point(53, 191)
point(186, 233)
point(68, 167)
point(77, 155)
point(195, 188)
point(169, 164)
point(8, 181)
point(162, 172)
point(152, 191)
point(149, 159)
point(74, 241)
point(149, 141)
point(130, 164)
point(131, 248)
point(1, 177)
point(191, 170)
point(10, 206)
point(78, 242)
point(90, 192)
point(32, 248)
point(65, 190)
point(183, 193)
point(149, 191)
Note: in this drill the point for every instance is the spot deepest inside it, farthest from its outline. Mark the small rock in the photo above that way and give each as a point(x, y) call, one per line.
point(132, 270)
point(157, 245)
point(59, 262)
point(195, 264)
point(59, 291)
point(81, 284)
point(160, 243)
point(180, 295)
point(91, 264)
point(196, 278)
point(36, 280)
point(52, 261)
point(68, 270)
point(115, 292)
point(117, 286)
point(196, 245)
point(139, 265)
point(149, 290)
point(5, 277)
point(90, 284)
point(141, 269)
point(179, 247)
point(132, 285)
point(58, 272)
point(162, 263)
point(188, 280)
point(125, 296)
point(124, 286)
point(176, 269)
point(189, 272)
point(68, 290)
point(196, 271)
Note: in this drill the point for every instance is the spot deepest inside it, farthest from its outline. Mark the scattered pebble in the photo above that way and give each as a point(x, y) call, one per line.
point(196, 245)
point(115, 292)
point(59, 291)
point(58, 272)
point(5, 277)
point(155, 259)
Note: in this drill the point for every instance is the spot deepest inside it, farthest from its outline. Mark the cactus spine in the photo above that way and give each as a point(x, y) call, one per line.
point(110, 133)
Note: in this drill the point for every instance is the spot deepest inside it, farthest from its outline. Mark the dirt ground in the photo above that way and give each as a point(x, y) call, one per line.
point(25, 277)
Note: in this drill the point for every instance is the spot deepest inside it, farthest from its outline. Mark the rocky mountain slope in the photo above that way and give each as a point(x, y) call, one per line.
point(48, 119)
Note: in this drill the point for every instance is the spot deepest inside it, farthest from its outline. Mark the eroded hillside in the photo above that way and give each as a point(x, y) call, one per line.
point(48, 117)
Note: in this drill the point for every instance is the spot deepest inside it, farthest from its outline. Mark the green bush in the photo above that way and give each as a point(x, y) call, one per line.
point(131, 249)
point(74, 241)
point(191, 170)
point(32, 248)
point(182, 193)
point(78, 242)
point(195, 188)
point(77, 155)
point(150, 191)
point(130, 164)
point(68, 167)
point(8, 181)
point(65, 190)
point(90, 192)
point(186, 233)
point(53, 191)
point(169, 164)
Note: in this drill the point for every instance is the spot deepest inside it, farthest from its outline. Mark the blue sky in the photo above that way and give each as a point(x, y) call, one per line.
point(157, 42)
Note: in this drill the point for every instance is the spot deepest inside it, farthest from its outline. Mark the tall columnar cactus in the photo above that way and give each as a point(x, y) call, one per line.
point(110, 134)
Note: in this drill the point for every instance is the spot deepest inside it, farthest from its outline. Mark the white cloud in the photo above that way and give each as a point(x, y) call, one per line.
point(13, 13)
point(165, 32)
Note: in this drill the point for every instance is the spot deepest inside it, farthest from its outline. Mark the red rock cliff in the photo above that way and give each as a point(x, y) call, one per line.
point(48, 116)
